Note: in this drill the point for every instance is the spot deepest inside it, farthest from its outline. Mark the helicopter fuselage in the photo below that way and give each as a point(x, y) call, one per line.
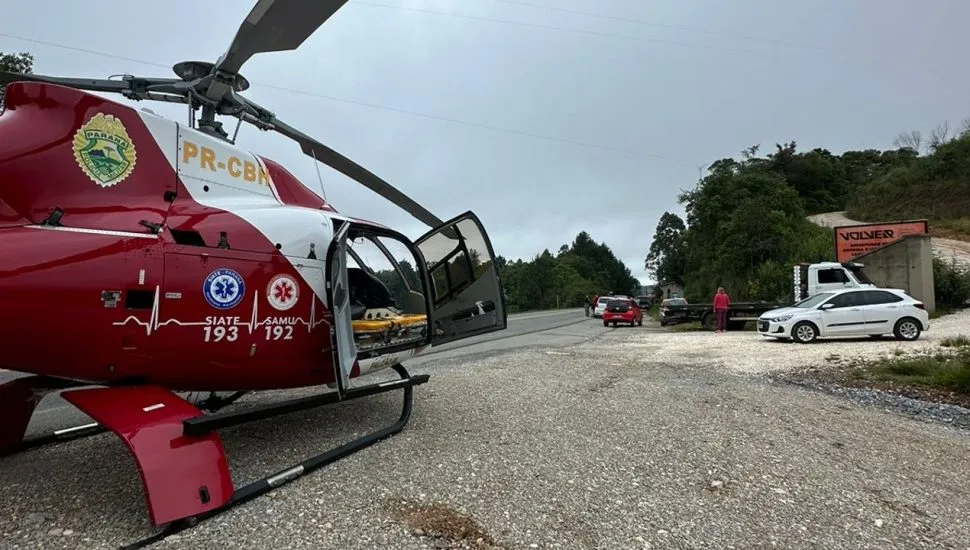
point(134, 248)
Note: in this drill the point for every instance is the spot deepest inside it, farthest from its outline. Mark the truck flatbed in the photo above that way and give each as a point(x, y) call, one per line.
point(739, 313)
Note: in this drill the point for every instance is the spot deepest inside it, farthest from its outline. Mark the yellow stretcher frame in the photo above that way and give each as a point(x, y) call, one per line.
point(387, 323)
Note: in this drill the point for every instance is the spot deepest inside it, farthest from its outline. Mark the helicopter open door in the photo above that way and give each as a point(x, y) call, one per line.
point(467, 298)
point(338, 297)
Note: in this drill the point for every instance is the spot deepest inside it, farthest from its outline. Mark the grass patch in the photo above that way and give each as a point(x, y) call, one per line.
point(955, 342)
point(686, 327)
point(958, 228)
point(653, 311)
point(949, 372)
point(941, 375)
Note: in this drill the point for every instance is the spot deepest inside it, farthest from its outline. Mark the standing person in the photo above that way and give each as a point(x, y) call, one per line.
point(586, 305)
point(721, 303)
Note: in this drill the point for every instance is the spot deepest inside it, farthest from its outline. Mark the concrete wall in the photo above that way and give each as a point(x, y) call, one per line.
point(905, 264)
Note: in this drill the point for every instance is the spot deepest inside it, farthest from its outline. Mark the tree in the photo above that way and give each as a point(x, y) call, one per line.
point(666, 256)
point(909, 140)
point(939, 136)
point(22, 63)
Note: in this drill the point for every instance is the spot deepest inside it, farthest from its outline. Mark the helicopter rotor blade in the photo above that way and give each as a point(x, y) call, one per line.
point(351, 169)
point(93, 84)
point(271, 26)
point(133, 87)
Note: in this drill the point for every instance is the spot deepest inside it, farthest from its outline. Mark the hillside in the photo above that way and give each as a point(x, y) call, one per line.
point(934, 185)
point(946, 249)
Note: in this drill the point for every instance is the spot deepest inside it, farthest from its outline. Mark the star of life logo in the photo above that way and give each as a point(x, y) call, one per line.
point(223, 289)
point(282, 292)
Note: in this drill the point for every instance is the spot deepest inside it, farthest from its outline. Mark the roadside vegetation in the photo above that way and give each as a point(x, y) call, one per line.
point(951, 284)
point(940, 375)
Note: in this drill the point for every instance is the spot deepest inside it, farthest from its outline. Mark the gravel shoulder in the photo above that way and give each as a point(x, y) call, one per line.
point(947, 249)
point(746, 352)
point(610, 443)
point(822, 366)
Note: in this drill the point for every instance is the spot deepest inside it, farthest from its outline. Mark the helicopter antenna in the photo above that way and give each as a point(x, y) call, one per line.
point(319, 177)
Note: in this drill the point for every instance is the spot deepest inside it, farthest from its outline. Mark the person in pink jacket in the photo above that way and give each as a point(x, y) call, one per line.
point(721, 303)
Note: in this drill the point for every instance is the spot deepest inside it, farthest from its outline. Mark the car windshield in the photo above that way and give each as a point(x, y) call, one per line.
point(675, 302)
point(813, 301)
point(615, 303)
point(603, 300)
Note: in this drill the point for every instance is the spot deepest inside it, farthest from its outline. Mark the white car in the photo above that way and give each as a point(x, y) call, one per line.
point(600, 306)
point(846, 313)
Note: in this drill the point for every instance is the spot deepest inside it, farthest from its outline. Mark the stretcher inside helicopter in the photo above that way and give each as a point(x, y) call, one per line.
point(387, 305)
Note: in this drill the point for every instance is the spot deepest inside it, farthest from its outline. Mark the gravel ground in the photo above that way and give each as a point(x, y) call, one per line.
point(749, 353)
point(602, 445)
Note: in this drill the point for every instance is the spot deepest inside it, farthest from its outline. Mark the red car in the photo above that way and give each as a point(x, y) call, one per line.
point(622, 310)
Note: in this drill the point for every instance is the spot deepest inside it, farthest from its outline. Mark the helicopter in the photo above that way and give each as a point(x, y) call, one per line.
point(145, 260)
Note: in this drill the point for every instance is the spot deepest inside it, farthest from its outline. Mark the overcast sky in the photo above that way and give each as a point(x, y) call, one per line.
point(541, 120)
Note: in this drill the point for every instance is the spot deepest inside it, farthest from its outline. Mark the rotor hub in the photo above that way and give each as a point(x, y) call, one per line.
point(193, 70)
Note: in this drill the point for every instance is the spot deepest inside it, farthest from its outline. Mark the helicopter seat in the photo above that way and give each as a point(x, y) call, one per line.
point(377, 320)
point(366, 292)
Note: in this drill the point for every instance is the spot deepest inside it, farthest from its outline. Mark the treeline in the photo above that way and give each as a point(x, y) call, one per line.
point(546, 281)
point(564, 279)
point(746, 220)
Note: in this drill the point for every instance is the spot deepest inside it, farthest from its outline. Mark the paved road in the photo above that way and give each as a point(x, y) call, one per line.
point(525, 329)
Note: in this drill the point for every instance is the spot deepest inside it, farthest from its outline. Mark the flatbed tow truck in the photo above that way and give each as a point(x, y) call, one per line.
point(807, 280)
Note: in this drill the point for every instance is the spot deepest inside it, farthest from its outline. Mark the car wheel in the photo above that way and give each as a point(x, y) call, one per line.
point(640, 322)
point(907, 328)
point(605, 324)
point(804, 332)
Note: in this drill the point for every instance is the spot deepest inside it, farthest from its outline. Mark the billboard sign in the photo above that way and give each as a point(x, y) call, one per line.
point(852, 241)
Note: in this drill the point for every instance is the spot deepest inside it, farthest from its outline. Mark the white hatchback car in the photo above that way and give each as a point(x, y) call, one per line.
point(600, 306)
point(846, 313)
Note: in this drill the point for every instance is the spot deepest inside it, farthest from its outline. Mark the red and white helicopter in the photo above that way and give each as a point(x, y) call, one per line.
point(141, 258)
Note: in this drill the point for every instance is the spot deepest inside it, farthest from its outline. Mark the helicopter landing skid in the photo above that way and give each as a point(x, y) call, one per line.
point(204, 426)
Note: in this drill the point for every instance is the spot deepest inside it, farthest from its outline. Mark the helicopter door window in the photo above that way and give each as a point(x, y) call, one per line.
point(450, 266)
point(467, 292)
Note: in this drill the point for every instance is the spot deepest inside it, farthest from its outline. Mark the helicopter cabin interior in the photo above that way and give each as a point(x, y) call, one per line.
point(387, 305)
point(391, 309)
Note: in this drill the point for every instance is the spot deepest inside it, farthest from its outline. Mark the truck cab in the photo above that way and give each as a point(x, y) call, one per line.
point(810, 279)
